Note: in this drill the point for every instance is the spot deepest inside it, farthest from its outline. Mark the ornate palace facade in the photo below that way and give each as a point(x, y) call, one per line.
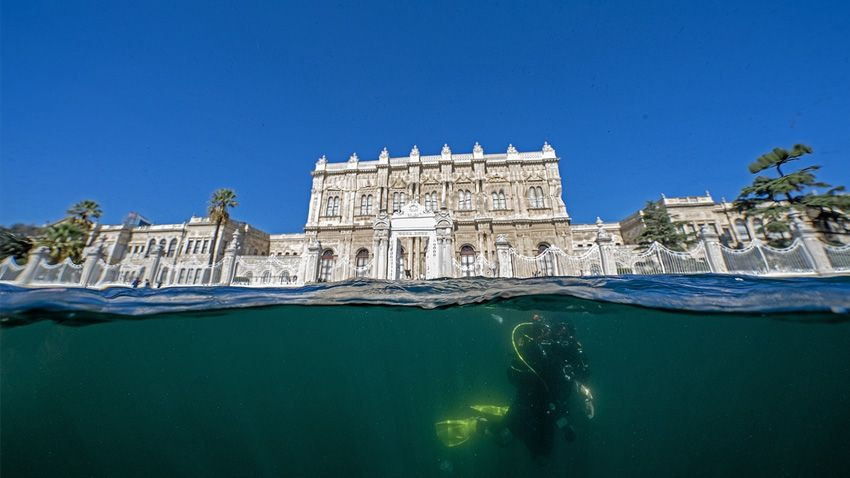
point(408, 217)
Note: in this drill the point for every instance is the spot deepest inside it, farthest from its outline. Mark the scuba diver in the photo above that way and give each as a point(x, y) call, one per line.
point(547, 365)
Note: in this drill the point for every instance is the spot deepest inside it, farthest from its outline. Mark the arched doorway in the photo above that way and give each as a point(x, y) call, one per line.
point(467, 261)
point(326, 266)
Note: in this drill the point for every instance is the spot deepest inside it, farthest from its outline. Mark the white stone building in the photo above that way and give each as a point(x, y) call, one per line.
point(407, 217)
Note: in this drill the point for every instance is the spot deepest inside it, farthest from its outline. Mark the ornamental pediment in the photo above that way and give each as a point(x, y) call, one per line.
point(399, 183)
point(429, 180)
point(534, 176)
point(496, 178)
point(463, 179)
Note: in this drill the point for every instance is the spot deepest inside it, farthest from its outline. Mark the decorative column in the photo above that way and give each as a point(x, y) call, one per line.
point(36, 258)
point(228, 262)
point(503, 253)
point(606, 253)
point(711, 244)
point(93, 254)
point(381, 236)
point(812, 245)
point(154, 265)
point(311, 261)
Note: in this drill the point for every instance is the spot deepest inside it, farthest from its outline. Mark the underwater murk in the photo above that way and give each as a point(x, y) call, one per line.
point(690, 376)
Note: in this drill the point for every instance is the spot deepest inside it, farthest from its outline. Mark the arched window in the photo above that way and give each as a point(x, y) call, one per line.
point(172, 248)
point(545, 263)
point(163, 276)
point(535, 197)
point(398, 201)
point(333, 206)
point(361, 260)
point(151, 246)
point(758, 229)
point(464, 200)
point(467, 261)
point(162, 244)
point(284, 277)
point(326, 266)
point(365, 205)
point(181, 279)
point(267, 276)
point(499, 200)
point(741, 229)
point(431, 201)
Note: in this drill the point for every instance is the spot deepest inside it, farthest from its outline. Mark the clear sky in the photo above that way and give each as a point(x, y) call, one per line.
point(149, 106)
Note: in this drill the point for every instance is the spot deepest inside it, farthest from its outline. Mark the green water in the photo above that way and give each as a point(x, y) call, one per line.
point(355, 391)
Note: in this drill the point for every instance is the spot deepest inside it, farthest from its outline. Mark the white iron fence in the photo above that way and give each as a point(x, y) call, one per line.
point(267, 271)
point(707, 256)
point(839, 256)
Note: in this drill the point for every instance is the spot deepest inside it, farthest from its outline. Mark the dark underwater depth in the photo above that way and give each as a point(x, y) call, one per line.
point(692, 376)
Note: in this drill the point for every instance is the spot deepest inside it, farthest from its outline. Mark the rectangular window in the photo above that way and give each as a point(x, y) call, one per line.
point(197, 246)
point(206, 245)
point(188, 247)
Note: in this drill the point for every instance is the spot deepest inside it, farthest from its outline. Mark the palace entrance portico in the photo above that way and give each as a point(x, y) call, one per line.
point(414, 243)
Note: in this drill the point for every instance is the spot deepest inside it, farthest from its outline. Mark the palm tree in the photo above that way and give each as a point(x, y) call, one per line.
point(64, 239)
point(84, 211)
point(221, 200)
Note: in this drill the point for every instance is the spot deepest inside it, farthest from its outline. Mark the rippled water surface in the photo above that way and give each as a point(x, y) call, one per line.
point(697, 376)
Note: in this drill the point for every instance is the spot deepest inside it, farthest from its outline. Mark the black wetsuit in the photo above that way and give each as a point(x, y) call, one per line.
point(541, 395)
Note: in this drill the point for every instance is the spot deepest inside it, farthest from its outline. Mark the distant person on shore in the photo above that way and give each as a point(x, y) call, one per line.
point(547, 364)
point(136, 282)
point(147, 284)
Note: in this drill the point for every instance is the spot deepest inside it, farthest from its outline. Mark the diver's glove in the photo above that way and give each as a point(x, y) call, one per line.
point(589, 409)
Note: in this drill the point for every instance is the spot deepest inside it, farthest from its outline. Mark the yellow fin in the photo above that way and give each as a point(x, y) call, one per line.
point(456, 432)
point(492, 410)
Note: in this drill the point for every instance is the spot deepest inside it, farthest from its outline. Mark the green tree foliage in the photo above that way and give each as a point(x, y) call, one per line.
point(659, 228)
point(221, 200)
point(14, 245)
point(771, 198)
point(84, 212)
point(64, 239)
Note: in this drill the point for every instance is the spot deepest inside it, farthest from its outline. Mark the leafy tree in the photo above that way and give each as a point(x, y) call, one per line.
point(772, 198)
point(84, 211)
point(659, 228)
point(64, 239)
point(221, 200)
point(16, 246)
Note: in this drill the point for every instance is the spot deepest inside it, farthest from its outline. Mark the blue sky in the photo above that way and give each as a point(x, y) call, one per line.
point(149, 106)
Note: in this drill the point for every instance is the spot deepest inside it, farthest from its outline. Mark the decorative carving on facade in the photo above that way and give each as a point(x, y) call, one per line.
point(322, 161)
point(477, 148)
point(353, 158)
point(385, 156)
